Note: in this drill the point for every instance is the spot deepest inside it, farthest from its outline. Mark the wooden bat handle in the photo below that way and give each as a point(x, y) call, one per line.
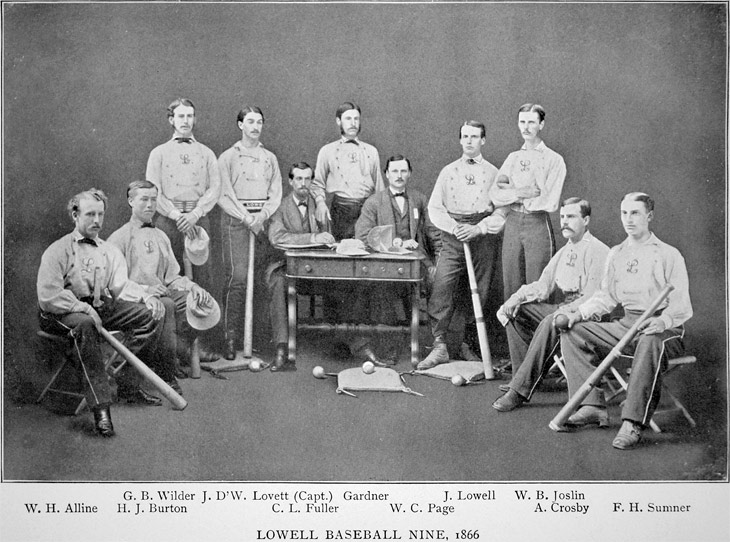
point(594, 380)
point(195, 347)
point(248, 317)
point(478, 315)
point(171, 395)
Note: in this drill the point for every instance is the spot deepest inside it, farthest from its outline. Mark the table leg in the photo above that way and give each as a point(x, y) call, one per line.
point(415, 297)
point(292, 318)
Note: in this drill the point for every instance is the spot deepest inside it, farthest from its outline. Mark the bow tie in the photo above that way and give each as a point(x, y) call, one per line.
point(87, 241)
point(353, 141)
point(399, 195)
point(184, 139)
point(471, 161)
point(302, 204)
point(147, 225)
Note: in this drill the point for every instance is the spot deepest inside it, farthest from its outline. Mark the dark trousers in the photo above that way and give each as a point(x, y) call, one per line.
point(236, 238)
point(344, 213)
point(588, 343)
point(201, 273)
point(451, 269)
point(175, 329)
point(527, 247)
point(533, 340)
point(134, 319)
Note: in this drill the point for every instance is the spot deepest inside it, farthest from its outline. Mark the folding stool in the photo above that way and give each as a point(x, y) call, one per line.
point(113, 363)
point(617, 384)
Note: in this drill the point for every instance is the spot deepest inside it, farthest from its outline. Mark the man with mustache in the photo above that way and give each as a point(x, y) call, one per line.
point(636, 271)
point(248, 172)
point(407, 210)
point(530, 182)
point(569, 279)
point(153, 266)
point(348, 170)
point(83, 286)
point(186, 174)
point(294, 223)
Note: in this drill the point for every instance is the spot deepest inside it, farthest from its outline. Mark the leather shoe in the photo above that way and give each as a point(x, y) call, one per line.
point(230, 351)
point(439, 355)
point(140, 397)
point(281, 362)
point(509, 401)
point(467, 354)
point(589, 415)
point(372, 357)
point(628, 436)
point(103, 421)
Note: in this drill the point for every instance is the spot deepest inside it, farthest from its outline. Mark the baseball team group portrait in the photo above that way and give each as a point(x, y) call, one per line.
point(365, 242)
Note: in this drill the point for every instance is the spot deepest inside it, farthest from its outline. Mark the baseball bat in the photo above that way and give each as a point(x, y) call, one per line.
point(195, 348)
point(478, 315)
point(594, 380)
point(253, 206)
point(177, 401)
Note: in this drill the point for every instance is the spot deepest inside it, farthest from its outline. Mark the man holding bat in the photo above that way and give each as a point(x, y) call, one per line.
point(636, 271)
point(570, 278)
point(152, 265)
point(460, 207)
point(248, 172)
point(83, 287)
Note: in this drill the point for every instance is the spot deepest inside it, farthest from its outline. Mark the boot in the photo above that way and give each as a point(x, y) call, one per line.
point(103, 421)
point(230, 347)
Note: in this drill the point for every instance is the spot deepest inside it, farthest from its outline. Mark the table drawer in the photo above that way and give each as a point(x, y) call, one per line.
point(318, 267)
point(387, 270)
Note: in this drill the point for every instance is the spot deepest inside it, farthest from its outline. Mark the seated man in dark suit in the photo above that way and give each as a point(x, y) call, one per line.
point(407, 210)
point(293, 223)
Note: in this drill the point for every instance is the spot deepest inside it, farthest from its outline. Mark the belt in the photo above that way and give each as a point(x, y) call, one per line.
point(340, 200)
point(474, 218)
point(184, 206)
point(520, 208)
point(252, 205)
point(568, 297)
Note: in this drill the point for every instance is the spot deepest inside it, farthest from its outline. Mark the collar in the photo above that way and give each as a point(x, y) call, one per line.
point(540, 147)
point(586, 237)
point(356, 141)
point(77, 236)
point(238, 145)
point(392, 192)
point(652, 240)
point(478, 159)
point(192, 137)
point(135, 222)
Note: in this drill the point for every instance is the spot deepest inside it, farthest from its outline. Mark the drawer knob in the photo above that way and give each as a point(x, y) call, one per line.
point(401, 271)
point(365, 269)
point(308, 268)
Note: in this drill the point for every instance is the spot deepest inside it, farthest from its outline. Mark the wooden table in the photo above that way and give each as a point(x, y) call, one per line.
point(327, 265)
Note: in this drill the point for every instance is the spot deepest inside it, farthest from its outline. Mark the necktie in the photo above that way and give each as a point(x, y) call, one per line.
point(184, 139)
point(302, 204)
point(353, 141)
point(87, 241)
point(148, 225)
point(471, 161)
point(399, 195)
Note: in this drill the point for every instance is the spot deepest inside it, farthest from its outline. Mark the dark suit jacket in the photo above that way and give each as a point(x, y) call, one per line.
point(378, 211)
point(285, 226)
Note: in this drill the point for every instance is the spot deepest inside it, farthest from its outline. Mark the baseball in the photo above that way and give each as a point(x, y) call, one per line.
point(368, 367)
point(561, 322)
point(254, 365)
point(318, 372)
point(458, 380)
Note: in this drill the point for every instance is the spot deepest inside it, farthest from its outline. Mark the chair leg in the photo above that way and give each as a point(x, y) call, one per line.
point(52, 380)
